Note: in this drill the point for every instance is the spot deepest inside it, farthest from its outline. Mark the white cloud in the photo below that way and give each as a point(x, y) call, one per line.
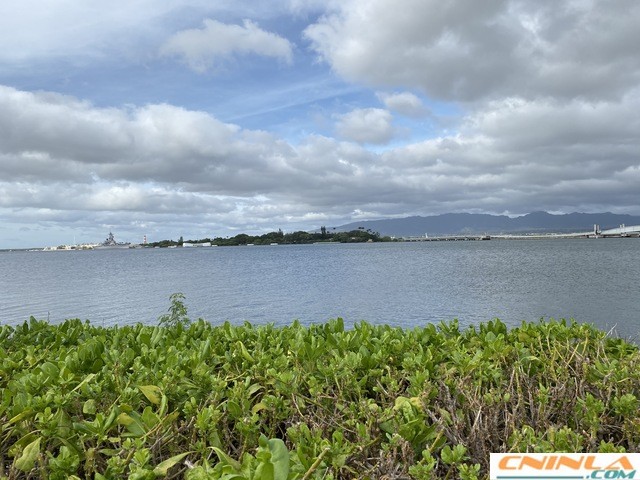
point(366, 125)
point(405, 103)
point(466, 50)
point(216, 41)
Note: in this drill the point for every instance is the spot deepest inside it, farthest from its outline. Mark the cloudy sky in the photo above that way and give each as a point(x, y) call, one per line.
point(201, 118)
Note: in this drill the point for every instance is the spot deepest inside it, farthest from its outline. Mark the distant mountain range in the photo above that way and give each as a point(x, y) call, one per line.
point(466, 223)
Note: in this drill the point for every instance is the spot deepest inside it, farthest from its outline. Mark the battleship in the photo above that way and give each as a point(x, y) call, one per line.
point(110, 242)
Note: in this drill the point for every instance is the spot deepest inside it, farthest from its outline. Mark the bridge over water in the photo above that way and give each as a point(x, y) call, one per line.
point(621, 231)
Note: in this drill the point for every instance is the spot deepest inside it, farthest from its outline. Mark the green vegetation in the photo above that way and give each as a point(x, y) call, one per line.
point(192, 400)
point(355, 236)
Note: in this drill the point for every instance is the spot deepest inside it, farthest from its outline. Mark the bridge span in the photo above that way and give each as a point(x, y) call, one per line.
point(619, 232)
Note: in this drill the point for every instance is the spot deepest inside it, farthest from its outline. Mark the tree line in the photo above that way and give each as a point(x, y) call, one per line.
point(300, 237)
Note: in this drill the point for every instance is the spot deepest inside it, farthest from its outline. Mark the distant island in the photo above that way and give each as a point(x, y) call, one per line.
point(279, 238)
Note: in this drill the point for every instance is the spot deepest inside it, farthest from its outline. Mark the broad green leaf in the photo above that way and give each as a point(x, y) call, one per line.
point(21, 416)
point(49, 369)
point(149, 419)
point(401, 403)
point(234, 409)
point(254, 388)
point(89, 407)
point(245, 352)
point(111, 418)
point(163, 405)
point(387, 427)
point(134, 425)
point(226, 459)
point(273, 458)
point(28, 458)
point(279, 458)
point(265, 471)
point(86, 380)
point(86, 428)
point(153, 393)
point(163, 467)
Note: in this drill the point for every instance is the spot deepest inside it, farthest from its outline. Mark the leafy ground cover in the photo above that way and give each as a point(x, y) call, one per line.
point(194, 400)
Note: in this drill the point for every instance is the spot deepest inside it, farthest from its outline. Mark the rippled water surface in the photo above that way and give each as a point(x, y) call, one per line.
point(404, 284)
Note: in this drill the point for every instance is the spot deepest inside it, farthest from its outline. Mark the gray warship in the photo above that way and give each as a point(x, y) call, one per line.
point(110, 243)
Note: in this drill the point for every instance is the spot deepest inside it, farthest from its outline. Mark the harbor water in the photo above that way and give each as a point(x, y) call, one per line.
point(405, 284)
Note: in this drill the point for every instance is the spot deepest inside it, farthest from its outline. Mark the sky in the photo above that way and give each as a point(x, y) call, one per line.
point(200, 119)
